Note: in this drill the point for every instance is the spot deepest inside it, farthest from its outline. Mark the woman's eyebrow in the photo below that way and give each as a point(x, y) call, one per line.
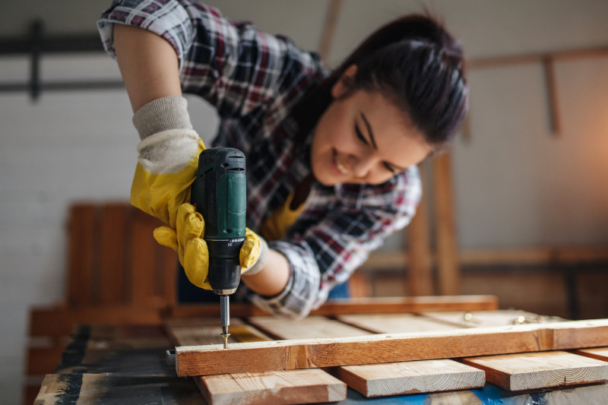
point(369, 130)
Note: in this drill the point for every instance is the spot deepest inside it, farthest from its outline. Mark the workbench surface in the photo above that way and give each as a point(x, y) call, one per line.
point(128, 365)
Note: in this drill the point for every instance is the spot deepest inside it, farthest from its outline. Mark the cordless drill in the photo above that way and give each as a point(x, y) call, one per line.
point(219, 194)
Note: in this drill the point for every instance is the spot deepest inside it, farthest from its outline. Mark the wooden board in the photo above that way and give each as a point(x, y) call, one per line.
point(475, 319)
point(352, 306)
point(396, 323)
point(205, 331)
point(285, 387)
point(600, 353)
point(378, 380)
point(374, 349)
point(307, 328)
point(526, 371)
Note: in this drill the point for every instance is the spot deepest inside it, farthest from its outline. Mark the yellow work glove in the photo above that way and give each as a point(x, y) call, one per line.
point(187, 240)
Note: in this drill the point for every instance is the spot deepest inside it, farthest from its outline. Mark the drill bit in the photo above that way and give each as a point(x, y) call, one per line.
point(225, 315)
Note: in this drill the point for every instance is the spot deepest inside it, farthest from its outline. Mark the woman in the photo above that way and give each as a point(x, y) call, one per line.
point(331, 158)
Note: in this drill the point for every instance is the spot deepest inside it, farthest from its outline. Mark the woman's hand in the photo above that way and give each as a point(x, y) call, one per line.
point(187, 240)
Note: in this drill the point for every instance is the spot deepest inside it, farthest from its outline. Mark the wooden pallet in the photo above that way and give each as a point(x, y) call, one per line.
point(424, 355)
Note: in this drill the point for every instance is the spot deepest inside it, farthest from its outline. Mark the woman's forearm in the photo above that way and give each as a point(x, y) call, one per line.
point(273, 278)
point(148, 65)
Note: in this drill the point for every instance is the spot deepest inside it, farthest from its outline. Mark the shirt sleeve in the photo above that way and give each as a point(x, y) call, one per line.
point(330, 249)
point(235, 67)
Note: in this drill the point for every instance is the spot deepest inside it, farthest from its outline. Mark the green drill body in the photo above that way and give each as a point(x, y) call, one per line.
point(219, 194)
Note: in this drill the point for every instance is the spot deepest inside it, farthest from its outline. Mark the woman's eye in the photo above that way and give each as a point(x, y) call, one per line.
point(359, 134)
point(389, 168)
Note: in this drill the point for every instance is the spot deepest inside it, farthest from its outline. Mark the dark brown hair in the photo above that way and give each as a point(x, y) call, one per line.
point(414, 62)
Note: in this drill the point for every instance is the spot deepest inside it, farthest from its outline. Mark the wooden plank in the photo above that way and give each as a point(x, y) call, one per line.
point(287, 387)
point(374, 349)
point(568, 54)
point(60, 321)
point(419, 269)
point(475, 257)
point(113, 253)
point(204, 331)
point(43, 360)
point(599, 353)
point(307, 328)
point(448, 271)
point(526, 371)
point(329, 29)
point(144, 262)
point(476, 319)
point(352, 306)
point(378, 380)
point(553, 101)
point(396, 323)
point(81, 229)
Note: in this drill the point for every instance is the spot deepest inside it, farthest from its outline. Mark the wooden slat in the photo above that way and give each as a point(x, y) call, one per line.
point(81, 229)
point(169, 266)
point(143, 260)
point(448, 271)
point(599, 353)
point(374, 349)
point(43, 360)
point(60, 321)
point(484, 257)
point(378, 380)
point(307, 328)
point(205, 331)
point(113, 253)
point(526, 371)
point(476, 319)
point(396, 323)
point(419, 268)
point(287, 387)
point(329, 29)
point(353, 306)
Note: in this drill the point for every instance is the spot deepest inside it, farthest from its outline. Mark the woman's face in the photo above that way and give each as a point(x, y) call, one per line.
point(364, 138)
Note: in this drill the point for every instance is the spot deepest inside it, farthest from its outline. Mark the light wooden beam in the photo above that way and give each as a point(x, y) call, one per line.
point(419, 274)
point(517, 372)
point(329, 29)
point(389, 348)
point(448, 271)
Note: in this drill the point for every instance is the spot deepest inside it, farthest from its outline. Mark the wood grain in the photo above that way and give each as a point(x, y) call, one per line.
point(114, 232)
point(307, 328)
point(526, 371)
point(205, 331)
point(80, 254)
point(448, 270)
point(476, 319)
point(374, 349)
point(379, 380)
point(599, 353)
point(396, 323)
point(420, 266)
point(286, 387)
point(352, 306)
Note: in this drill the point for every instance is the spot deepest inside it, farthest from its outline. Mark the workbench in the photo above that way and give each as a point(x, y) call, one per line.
point(129, 365)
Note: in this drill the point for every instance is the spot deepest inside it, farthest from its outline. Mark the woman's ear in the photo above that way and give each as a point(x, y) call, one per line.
point(344, 83)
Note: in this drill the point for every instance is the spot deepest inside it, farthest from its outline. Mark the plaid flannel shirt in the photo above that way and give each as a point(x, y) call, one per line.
point(254, 79)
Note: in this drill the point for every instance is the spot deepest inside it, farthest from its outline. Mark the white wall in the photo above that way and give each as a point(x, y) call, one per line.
point(515, 184)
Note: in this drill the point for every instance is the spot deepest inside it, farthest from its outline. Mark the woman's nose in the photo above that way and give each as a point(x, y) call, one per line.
point(361, 165)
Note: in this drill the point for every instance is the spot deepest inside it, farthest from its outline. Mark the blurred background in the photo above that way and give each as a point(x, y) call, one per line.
point(527, 181)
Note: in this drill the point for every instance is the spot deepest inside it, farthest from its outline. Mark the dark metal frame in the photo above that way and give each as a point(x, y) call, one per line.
point(35, 44)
